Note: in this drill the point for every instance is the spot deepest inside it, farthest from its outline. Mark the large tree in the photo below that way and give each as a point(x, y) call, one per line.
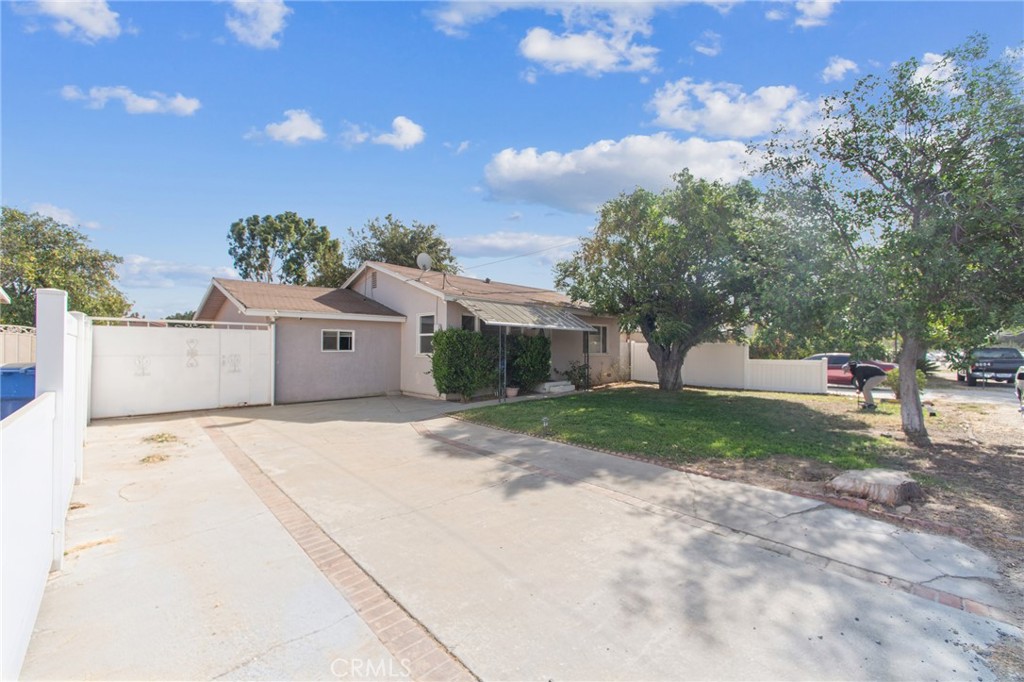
point(286, 249)
point(391, 241)
point(921, 174)
point(38, 252)
point(672, 265)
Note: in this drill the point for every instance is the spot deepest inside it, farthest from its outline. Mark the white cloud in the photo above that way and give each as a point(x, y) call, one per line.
point(154, 103)
point(724, 110)
point(588, 52)
point(709, 43)
point(582, 179)
point(63, 215)
point(495, 244)
point(297, 127)
point(404, 134)
point(148, 273)
point(353, 135)
point(814, 12)
point(84, 20)
point(837, 69)
point(775, 14)
point(257, 23)
point(935, 67)
point(457, 149)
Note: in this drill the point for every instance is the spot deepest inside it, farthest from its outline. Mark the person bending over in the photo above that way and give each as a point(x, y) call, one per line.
point(866, 377)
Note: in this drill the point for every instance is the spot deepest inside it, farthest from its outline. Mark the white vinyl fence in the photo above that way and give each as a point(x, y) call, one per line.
point(17, 344)
point(41, 446)
point(728, 365)
point(142, 367)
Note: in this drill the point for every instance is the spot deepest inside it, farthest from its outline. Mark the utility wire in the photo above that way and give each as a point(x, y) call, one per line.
point(523, 255)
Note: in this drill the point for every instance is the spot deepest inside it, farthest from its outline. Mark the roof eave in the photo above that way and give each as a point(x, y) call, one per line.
point(355, 317)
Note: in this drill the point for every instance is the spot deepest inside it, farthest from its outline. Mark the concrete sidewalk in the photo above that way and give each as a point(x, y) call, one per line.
point(522, 558)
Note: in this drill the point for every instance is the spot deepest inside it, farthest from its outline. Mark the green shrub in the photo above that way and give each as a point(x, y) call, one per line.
point(578, 374)
point(892, 381)
point(463, 362)
point(529, 361)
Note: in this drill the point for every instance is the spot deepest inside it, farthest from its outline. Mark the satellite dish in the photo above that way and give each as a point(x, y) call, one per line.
point(424, 261)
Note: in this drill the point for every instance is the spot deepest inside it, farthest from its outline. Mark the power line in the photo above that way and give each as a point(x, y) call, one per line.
point(523, 255)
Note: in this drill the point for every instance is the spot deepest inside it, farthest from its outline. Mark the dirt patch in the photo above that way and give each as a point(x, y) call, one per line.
point(89, 545)
point(77, 505)
point(154, 459)
point(162, 437)
point(972, 473)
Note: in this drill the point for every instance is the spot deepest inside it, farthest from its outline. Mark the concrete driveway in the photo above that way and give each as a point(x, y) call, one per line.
point(508, 558)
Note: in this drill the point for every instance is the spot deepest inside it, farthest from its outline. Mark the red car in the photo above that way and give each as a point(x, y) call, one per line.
point(839, 373)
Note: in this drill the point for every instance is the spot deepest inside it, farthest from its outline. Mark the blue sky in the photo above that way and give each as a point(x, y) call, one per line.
point(154, 125)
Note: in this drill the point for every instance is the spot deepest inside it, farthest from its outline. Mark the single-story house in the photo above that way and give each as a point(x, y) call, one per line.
point(373, 335)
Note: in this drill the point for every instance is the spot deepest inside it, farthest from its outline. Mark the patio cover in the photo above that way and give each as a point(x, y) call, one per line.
point(525, 315)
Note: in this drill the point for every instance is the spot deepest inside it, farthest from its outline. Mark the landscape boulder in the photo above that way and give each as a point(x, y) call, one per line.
point(891, 488)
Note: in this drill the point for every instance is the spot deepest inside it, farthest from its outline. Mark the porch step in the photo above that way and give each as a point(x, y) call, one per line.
point(556, 387)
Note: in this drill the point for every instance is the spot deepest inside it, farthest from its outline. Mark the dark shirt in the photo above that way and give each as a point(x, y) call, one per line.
point(864, 372)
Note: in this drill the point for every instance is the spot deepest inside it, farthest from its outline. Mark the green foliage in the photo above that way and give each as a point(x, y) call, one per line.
point(689, 425)
point(463, 362)
point(672, 265)
point(187, 315)
point(528, 361)
point(917, 181)
point(392, 242)
point(578, 374)
point(37, 252)
point(286, 249)
point(892, 381)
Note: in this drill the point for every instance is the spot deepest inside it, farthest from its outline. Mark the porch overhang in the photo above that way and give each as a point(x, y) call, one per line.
point(524, 315)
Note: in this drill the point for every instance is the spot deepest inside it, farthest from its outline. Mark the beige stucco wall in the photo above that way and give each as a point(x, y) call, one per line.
point(306, 373)
point(405, 298)
point(568, 346)
point(229, 313)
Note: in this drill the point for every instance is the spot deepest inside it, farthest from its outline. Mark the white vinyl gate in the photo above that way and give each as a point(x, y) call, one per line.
point(141, 367)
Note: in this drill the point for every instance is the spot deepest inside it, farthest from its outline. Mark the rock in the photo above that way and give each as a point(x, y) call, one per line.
point(904, 510)
point(891, 488)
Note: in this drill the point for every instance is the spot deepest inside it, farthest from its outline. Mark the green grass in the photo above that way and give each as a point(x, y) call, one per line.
point(694, 424)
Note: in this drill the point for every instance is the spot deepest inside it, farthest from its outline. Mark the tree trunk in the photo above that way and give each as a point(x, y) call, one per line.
point(669, 361)
point(910, 395)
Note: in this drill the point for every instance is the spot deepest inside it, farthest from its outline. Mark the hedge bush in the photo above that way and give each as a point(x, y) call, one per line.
point(528, 361)
point(463, 362)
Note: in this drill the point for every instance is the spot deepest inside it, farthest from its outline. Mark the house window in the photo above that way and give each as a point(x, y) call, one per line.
point(469, 323)
point(337, 340)
point(426, 334)
point(596, 342)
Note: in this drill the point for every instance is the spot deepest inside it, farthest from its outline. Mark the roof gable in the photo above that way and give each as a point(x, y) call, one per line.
point(265, 299)
point(452, 287)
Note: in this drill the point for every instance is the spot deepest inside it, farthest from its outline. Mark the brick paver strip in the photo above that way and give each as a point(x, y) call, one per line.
point(406, 638)
point(821, 562)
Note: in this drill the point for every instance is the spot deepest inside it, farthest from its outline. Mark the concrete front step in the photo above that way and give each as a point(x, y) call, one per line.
point(556, 387)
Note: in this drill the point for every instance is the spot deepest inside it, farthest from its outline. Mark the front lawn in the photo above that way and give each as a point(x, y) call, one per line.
point(698, 424)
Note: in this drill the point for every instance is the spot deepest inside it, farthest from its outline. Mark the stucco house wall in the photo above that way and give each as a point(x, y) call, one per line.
point(568, 346)
point(306, 373)
point(405, 298)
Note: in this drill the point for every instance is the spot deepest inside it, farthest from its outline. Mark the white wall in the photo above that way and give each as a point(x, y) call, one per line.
point(27, 482)
point(727, 365)
point(40, 461)
point(151, 370)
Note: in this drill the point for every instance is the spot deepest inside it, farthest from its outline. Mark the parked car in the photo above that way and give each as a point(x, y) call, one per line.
point(997, 364)
point(839, 373)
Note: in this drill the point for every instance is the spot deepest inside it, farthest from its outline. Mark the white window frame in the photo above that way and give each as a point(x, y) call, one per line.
point(602, 334)
point(420, 334)
point(350, 333)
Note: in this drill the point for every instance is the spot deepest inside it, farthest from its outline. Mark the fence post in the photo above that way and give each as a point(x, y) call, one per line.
point(81, 410)
point(51, 375)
